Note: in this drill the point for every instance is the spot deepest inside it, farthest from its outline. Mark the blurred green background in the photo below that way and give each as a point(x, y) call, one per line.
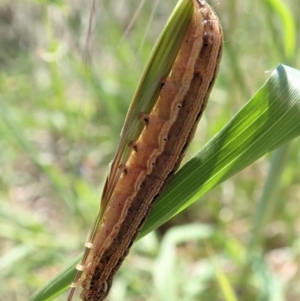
point(60, 121)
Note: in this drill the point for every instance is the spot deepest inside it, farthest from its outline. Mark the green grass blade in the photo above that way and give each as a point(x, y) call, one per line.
point(288, 25)
point(57, 285)
point(267, 121)
point(268, 200)
point(226, 288)
point(165, 273)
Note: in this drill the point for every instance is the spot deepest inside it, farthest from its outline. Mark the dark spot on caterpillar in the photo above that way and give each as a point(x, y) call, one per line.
point(155, 198)
point(199, 115)
point(162, 82)
point(185, 147)
point(205, 40)
point(196, 74)
point(144, 117)
point(125, 171)
point(198, 77)
point(143, 220)
point(165, 139)
point(210, 84)
point(179, 105)
point(119, 262)
point(133, 145)
point(146, 120)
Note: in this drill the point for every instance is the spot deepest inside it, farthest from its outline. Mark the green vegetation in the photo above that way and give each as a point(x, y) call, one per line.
point(60, 122)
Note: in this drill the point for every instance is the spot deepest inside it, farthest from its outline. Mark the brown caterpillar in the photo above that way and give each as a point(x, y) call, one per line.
point(155, 155)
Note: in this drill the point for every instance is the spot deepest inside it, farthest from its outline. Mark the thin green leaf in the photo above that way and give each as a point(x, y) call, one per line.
point(226, 288)
point(164, 274)
point(288, 25)
point(268, 120)
point(57, 285)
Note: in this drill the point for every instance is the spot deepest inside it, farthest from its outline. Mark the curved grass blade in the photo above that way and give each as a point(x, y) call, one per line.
point(289, 28)
point(268, 120)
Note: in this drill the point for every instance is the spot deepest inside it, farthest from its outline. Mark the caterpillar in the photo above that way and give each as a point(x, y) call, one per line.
point(133, 186)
